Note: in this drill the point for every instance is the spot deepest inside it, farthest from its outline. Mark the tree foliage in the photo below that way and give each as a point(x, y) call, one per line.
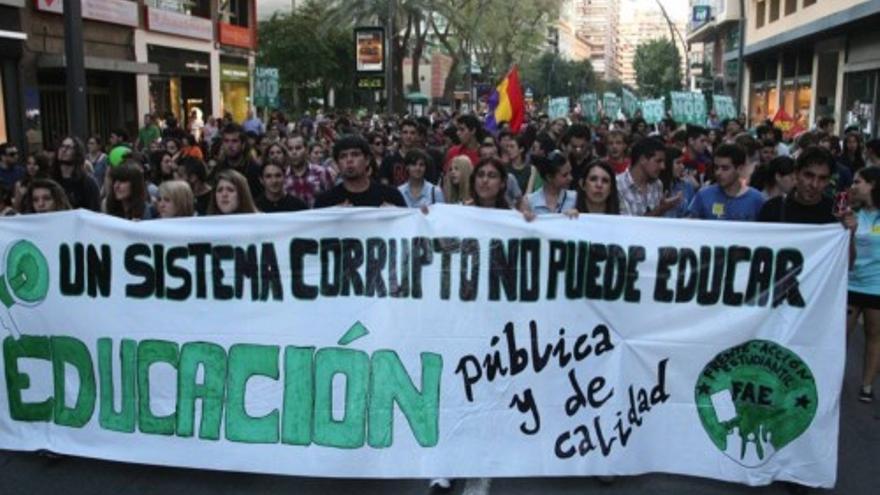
point(311, 60)
point(658, 67)
point(550, 75)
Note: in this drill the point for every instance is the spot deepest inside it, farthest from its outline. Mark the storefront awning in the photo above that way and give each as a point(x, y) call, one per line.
point(52, 61)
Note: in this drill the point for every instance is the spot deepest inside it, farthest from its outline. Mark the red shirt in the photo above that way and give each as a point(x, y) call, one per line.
point(459, 150)
point(621, 166)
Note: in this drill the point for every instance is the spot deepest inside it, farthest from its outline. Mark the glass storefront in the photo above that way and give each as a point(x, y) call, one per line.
point(797, 95)
point(235, 86)
point(861, 101)
point(183, 83)
point(3, 136)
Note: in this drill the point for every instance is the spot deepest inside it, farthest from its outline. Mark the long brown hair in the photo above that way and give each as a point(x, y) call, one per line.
point(133, 207)
point(612, 203)
point(245, 200)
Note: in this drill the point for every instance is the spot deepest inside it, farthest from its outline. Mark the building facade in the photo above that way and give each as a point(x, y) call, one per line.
point(597, 25)
point(169, 57)
point(12, 40)
point(640, 25)
point(714, 39)
point(813, 58)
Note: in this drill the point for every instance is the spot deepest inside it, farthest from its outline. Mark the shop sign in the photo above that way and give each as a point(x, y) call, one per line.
point(122, 12)
point(233, 35)
point(234, 73)
point(173, 61)
point(165, 21)
point(374, 83)
point(701, 15)
point(369, 49)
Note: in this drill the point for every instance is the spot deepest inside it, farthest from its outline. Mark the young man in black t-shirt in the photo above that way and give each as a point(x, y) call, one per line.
point(274, 199)
point(806, 203)
point(356, 189)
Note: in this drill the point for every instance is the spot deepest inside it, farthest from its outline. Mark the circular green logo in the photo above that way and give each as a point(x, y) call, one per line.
point(27, 272)
point(754, 399)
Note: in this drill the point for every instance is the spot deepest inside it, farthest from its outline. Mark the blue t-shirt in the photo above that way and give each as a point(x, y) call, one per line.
point(865, 274)
point(687, 195)
point(712, 203)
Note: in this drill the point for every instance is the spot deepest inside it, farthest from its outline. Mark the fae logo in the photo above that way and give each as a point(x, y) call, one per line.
point(25, 280)
point(754, 399)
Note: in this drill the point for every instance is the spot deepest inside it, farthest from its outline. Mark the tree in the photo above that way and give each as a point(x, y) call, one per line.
point(550, 75)
point(310, 61)
point(658, 67)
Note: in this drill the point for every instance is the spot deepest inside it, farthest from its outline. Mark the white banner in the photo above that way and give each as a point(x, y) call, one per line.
point(123, 12)
point(461, 343)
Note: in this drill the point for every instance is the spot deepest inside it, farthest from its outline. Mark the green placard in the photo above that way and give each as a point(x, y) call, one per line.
point(724, 107)
point(558, 108)
point(266, 87)
point(590, 107)
point(653, 110)
point(630, 103)
point(611, 105)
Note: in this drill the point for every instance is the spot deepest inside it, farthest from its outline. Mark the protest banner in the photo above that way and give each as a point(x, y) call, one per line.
point(653, 111)
point(558, 108)
point(590, 107)
point(700, 112)
point(630, 103)
point(611, 105)
point(724, 107)
point(467, 343)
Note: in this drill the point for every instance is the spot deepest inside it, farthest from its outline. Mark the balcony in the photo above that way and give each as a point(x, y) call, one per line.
point(720, 13)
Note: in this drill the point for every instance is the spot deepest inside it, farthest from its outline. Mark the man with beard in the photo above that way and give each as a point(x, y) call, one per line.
point(806, 203)
point(578, 146)
point(234, 155)
point(356, 189)
point(302, 179)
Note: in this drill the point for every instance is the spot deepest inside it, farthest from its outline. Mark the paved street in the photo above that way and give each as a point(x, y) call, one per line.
point(25, 473)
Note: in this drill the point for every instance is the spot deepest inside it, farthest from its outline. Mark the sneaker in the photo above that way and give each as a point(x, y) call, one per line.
point(439, 486)
point(866, 395)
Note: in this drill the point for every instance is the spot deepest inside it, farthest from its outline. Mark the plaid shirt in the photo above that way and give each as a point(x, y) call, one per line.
point(309, 185)
point(633, 201)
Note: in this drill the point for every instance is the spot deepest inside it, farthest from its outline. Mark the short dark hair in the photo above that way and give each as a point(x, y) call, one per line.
point(814, 155)
point(646, 147)
point(233, 128)
point(409, 123)
point(576, 131)
point(194, 166)
point(874, 146)
point(734, 152)
point(350, 142)
point(413, 156)
point(549, 166)
point(826, 121)
point(467, 120)
point(695, 131)
point(122, 133)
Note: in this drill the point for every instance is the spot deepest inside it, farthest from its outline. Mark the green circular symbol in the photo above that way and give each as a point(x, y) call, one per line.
point(27, 272)
point(754, 399)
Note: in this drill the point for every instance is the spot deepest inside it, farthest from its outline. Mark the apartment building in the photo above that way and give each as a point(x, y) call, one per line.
point(598, 22)
point(813, 58)
point(640, 25)
point(714, 30)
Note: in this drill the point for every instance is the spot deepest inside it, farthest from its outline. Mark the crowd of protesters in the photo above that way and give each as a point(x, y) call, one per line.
point(552, 166)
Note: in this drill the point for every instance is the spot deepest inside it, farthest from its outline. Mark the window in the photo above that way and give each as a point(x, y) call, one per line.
point(199, 8)
point(760, 8)
point(807, 3)
point(235, 12)
point(774, 10)
point(790, 6)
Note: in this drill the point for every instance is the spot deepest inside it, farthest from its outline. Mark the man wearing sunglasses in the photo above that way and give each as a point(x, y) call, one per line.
point(10, 166)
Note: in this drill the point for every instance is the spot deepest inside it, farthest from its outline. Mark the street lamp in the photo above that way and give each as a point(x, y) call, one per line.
point(673, 31)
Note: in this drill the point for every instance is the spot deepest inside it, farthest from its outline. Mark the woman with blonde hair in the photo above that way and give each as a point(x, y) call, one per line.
point(231, 195)
point(175, 199)
point(456, 184)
